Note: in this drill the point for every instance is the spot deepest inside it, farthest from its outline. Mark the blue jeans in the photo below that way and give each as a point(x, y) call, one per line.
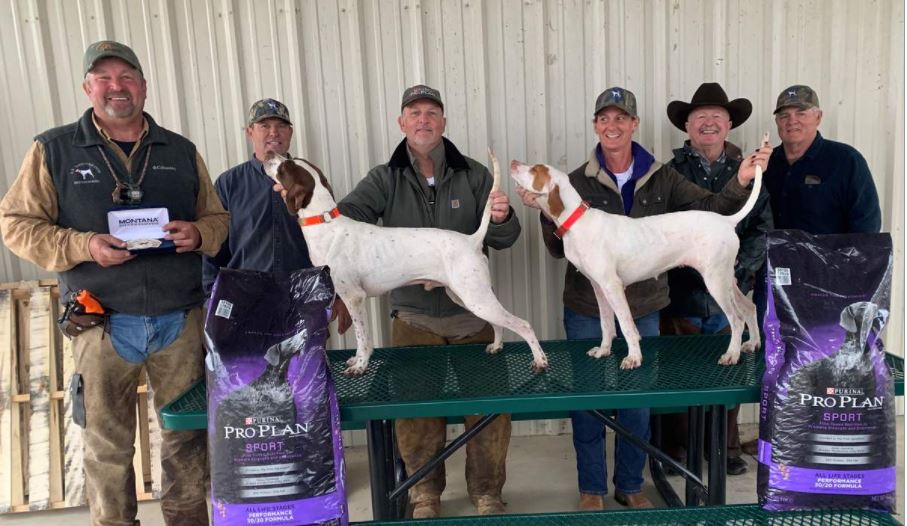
point(136, 337)
point(709, 324)
point(589, 432)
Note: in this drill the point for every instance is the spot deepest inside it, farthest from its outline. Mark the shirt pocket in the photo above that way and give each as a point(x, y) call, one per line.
point(650, 205)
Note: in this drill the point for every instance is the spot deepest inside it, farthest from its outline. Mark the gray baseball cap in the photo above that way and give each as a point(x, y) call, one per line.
point(617, 97)
point(801, 96)
point(421, 91)
point(109, 48)
point(266, 109)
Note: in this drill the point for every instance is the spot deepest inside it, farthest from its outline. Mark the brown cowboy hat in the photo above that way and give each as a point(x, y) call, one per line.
point(709, 94)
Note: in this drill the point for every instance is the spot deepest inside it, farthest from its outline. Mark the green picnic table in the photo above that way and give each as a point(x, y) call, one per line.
point(409, 382)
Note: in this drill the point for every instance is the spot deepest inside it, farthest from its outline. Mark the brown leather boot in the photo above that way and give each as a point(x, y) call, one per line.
point(589, 502)
point(633, 500)
point(488, 504)
point(427, 509)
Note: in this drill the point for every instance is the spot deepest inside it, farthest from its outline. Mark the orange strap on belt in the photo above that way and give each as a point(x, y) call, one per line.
point(323, 218)
point(89, 302)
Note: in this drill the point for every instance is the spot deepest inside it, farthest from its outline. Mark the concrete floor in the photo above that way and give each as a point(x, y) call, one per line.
point(541, 478)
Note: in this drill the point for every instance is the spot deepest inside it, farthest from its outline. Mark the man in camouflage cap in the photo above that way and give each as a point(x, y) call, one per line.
point(428, 183)
point(817, 185)
point(620, 177)
point(56, 215)
point(262, 235)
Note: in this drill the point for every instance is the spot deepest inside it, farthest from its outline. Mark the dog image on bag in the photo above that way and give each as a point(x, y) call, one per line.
point(368, 260)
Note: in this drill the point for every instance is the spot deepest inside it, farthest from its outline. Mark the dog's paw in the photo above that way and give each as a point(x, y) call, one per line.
point(749, 346)
point(355, 366)
point(729, 358)
point(599, 352)
point(540, 364)
point(493, 349)
point(631, 362)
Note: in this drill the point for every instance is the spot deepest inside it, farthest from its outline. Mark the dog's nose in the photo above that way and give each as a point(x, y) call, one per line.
point(514, 164)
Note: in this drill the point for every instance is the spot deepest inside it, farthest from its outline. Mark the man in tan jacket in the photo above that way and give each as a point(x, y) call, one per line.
point(116, 166)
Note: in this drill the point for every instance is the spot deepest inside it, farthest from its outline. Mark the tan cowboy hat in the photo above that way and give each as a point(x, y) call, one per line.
point(709, 94)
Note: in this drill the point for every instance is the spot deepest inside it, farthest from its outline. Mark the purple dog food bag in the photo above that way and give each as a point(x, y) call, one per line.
point(273, 422)
point(827, 414)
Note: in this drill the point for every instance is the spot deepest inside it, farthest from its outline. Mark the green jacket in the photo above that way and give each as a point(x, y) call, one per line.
point(393, 193)
point(689, 296)
point(659, 191)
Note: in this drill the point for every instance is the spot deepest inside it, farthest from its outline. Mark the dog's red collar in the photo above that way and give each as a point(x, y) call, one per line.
point(574, 217)
point(323, 218)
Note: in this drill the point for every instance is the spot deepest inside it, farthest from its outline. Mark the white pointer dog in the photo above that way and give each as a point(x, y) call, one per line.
point(368, 260)
point(614, 251)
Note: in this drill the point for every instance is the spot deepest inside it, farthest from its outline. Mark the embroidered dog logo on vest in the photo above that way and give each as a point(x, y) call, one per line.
point(84, 173)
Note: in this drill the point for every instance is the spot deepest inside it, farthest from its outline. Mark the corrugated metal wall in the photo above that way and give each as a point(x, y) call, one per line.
point(518, 75)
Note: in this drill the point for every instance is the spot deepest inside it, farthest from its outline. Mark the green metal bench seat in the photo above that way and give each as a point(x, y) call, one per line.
point(736, 515)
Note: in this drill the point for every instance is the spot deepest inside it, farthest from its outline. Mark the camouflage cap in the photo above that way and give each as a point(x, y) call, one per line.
point(266, 109)
point(421, 91)
point(617, 97)
point(109, 48)
point(800, 96)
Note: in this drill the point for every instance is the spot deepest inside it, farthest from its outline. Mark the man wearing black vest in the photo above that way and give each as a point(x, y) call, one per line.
point(75, 179)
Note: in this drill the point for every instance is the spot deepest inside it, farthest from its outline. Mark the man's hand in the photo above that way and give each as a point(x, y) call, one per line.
point(500, 206)
point(528, 198)
point(747, 171)
point(184, 235)
point(340, 313)
point(108, 251)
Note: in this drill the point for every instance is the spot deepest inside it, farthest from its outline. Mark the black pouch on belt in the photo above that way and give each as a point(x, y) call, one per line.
point(77, 394)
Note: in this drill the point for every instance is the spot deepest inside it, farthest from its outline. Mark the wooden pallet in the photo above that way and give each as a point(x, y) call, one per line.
point(40, 447)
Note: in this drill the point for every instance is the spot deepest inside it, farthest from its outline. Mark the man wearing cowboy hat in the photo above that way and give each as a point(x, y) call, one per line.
point(708, 160)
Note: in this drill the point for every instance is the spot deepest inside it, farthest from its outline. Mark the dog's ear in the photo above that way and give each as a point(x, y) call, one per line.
point(324, 180)
point(848, 318)
point(298, 183)
point(555, 204)
point(540, 178)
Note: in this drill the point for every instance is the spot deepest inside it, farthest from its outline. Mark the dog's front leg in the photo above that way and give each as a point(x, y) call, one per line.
point(606, 317)
point(614, 295)
point(356, 365)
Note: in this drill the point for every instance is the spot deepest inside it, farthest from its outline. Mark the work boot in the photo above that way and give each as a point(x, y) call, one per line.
point(488, 504)
point(427, 509)
point(589, 502)
point(633, 500)
point(736, 466)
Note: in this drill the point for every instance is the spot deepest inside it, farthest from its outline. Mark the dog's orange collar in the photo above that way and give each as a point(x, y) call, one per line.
point(326, 217)
point(574, 217)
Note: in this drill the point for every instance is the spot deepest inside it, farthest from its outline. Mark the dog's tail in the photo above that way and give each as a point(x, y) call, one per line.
point(754, 195)
point(479, 235)
point(751, 200)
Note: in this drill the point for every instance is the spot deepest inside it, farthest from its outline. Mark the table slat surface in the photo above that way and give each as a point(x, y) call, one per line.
point(735, 515)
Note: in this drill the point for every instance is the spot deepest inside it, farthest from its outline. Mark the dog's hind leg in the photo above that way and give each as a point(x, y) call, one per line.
point(606, 317)
point(721, 286)
point(484, 304)
point(357, 364)
point(748, 310)
point(498, 343)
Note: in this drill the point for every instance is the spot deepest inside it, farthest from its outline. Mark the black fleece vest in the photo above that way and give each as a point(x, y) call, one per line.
point(150, 284)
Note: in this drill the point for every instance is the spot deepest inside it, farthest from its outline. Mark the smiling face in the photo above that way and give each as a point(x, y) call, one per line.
point(116, 90)
point(423, 123)
point(614, 128)
point(270, 136)
point(798, 125)
point(708, 126)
